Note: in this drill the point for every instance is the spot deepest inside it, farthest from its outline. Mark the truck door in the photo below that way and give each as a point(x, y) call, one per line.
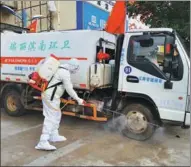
point(142, 72)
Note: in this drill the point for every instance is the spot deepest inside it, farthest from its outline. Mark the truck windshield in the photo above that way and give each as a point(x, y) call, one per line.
point(183, 44)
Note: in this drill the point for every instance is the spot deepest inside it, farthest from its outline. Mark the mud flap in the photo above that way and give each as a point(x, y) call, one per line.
point(186, 123)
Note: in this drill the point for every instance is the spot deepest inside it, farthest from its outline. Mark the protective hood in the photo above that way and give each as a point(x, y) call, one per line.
point(72, 65)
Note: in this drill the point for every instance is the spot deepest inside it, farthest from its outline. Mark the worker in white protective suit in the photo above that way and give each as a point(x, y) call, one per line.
point(60, 82)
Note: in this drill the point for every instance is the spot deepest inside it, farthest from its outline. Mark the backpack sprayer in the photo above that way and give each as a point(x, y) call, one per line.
point(45, 71)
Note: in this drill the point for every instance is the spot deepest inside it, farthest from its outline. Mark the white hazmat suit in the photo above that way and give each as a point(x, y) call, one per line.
point(51, 104)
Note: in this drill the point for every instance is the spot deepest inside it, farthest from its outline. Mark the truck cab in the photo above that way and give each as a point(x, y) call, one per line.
point(155, 66)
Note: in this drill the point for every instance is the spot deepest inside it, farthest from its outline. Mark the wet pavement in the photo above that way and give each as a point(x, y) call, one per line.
point(89, 143)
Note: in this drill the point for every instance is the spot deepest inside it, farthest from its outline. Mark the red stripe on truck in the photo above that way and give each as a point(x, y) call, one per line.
point(68, 58)
point(52, 55)
point(30, 60)
point(8, 79)
point(18, 79)
point(20, 60)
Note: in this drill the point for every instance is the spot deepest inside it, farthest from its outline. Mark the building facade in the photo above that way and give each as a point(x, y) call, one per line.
point(58, 15)
point(30, 9)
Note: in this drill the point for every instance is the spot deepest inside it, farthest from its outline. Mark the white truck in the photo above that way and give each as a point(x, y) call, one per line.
point(146, 78)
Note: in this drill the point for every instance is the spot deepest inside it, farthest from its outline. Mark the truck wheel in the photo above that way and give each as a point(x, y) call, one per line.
point(12, 103)
point(137, 124)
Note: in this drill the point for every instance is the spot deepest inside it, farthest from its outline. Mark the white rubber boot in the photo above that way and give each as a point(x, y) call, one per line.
point(55, 137)
point(45, 136)
point(45, 145)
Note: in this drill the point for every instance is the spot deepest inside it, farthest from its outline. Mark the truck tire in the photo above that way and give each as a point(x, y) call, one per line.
point(139, 122)
point(12, 103)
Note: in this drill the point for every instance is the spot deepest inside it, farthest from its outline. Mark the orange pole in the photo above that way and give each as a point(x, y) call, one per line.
point(94, 117)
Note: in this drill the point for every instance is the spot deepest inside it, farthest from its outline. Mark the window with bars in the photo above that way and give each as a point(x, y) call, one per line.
point(35, 8)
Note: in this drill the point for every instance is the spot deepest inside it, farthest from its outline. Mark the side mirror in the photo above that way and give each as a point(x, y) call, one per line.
point(168, 85)
point(167, 68)
point(169, 46)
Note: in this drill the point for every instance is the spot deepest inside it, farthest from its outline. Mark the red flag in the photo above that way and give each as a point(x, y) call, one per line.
point(116, 21)
point(33, 26)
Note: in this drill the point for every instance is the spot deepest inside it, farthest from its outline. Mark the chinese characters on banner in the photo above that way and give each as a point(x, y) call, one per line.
point(32, 46)
point(41, 46)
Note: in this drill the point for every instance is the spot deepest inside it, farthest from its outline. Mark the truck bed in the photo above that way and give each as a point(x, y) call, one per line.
point(21, 53)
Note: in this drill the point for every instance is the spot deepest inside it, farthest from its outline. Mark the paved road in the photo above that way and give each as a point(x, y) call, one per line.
point(89, 143)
